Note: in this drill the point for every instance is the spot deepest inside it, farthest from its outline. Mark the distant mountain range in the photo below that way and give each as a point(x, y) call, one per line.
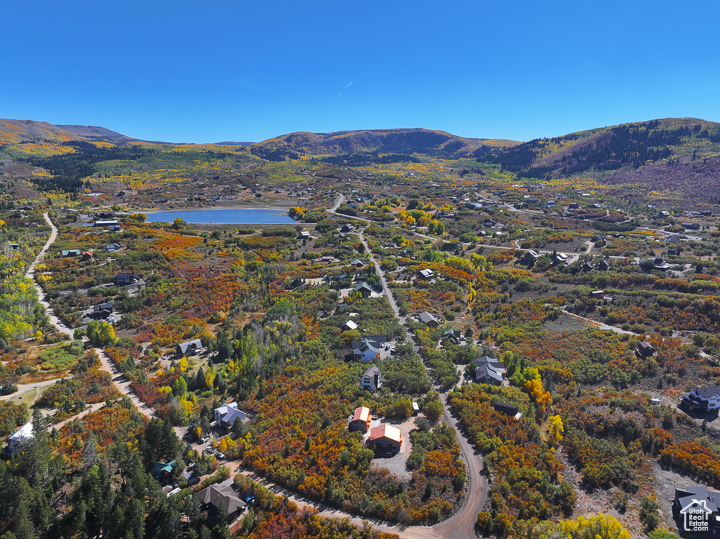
point(673, 154)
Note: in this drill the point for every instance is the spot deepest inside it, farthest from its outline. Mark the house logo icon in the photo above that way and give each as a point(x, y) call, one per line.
point(696, 516)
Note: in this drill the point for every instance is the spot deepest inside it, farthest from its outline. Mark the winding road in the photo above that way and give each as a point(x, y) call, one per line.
point(119, 380)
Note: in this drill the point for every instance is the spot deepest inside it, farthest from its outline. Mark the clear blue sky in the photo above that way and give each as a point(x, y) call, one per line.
point(243, 70)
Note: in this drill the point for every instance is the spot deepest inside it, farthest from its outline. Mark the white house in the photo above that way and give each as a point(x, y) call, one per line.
point(228, 413)
point(22, 436)
point(702, 398)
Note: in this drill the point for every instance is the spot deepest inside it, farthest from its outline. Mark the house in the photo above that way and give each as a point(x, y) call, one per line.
point(427, 274)
point(349, 326)
point(347, 228)
point(691, 226)
point(530, 257)
point(189, 347)
point(328, 259)
point(702, 398)
point(361, 420)
point(98, 224)
point(429, 319)
point(573, 206)
point(372, 379)
point(87, 255)
point(363, 289)
point(114, 228)
point(603, 265)
point(71, 252)
point(598, 294)
point(124, 279)
point(505, 408)
point(368, 348)
point(14, 246)
point(559, 258)
point(220, 498)
point(357, 263)
point(697, 507)
point(19, 438)
point(111, 247)
point(489, 370)
point(162, 471)
point(644, 349)
point(103, 310)
point(305, 235)
point(226, 415)
point(190, 477)
point(454, 336)
point(385, 439)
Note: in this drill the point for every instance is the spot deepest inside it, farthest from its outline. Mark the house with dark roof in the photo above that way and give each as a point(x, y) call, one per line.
point(454, 336)
point(347, 228)
point(221, 498)
point(505, 408)
point(429, 319)
point(162, 471)
point(702, 398)
point(361, 420)
point(489, 370)
point(189, 347)
point(124, 279)
point(371, 379)
point(363, 289)
point(103, 310)
point(644, 349)
point(603, 265)
point(695, 508)
point(111, 247)
point(368, 348)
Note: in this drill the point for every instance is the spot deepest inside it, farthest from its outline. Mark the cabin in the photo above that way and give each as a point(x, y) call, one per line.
point(227, 414)
point(124, 279)
point(189, 347)
point(162, 471)
point(368, 348)
point(357, 263)
point(103, 310)
point(20, 438)
point(87, 255)
point(702, 398)
point(489, 370)
point(71, 252)
point(371, 380)
point(429, 319)
point(361, 420)
point(363, 289)
point(644, 349)
point(349, 326)
point(112, 247)
point(454, 336)
point(427, 274)
point(385, 439)
point(221, 498)
point(505, 408)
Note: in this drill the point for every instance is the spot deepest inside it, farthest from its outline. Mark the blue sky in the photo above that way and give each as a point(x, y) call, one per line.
point(246, 71)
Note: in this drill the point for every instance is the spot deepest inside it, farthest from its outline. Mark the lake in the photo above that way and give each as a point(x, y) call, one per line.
point(250, 216)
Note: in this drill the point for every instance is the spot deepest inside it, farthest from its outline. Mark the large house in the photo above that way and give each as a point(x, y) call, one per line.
point(697, 507)
point(368, 348)
point(489, 370)
point(103, 310)
point(361, 420)
point(372, 379)
point(364, 290)
point(227, 414)
point(189, 347)
point(124, 279)
point(385, 439)
point(222, 497)
point(702, 398)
